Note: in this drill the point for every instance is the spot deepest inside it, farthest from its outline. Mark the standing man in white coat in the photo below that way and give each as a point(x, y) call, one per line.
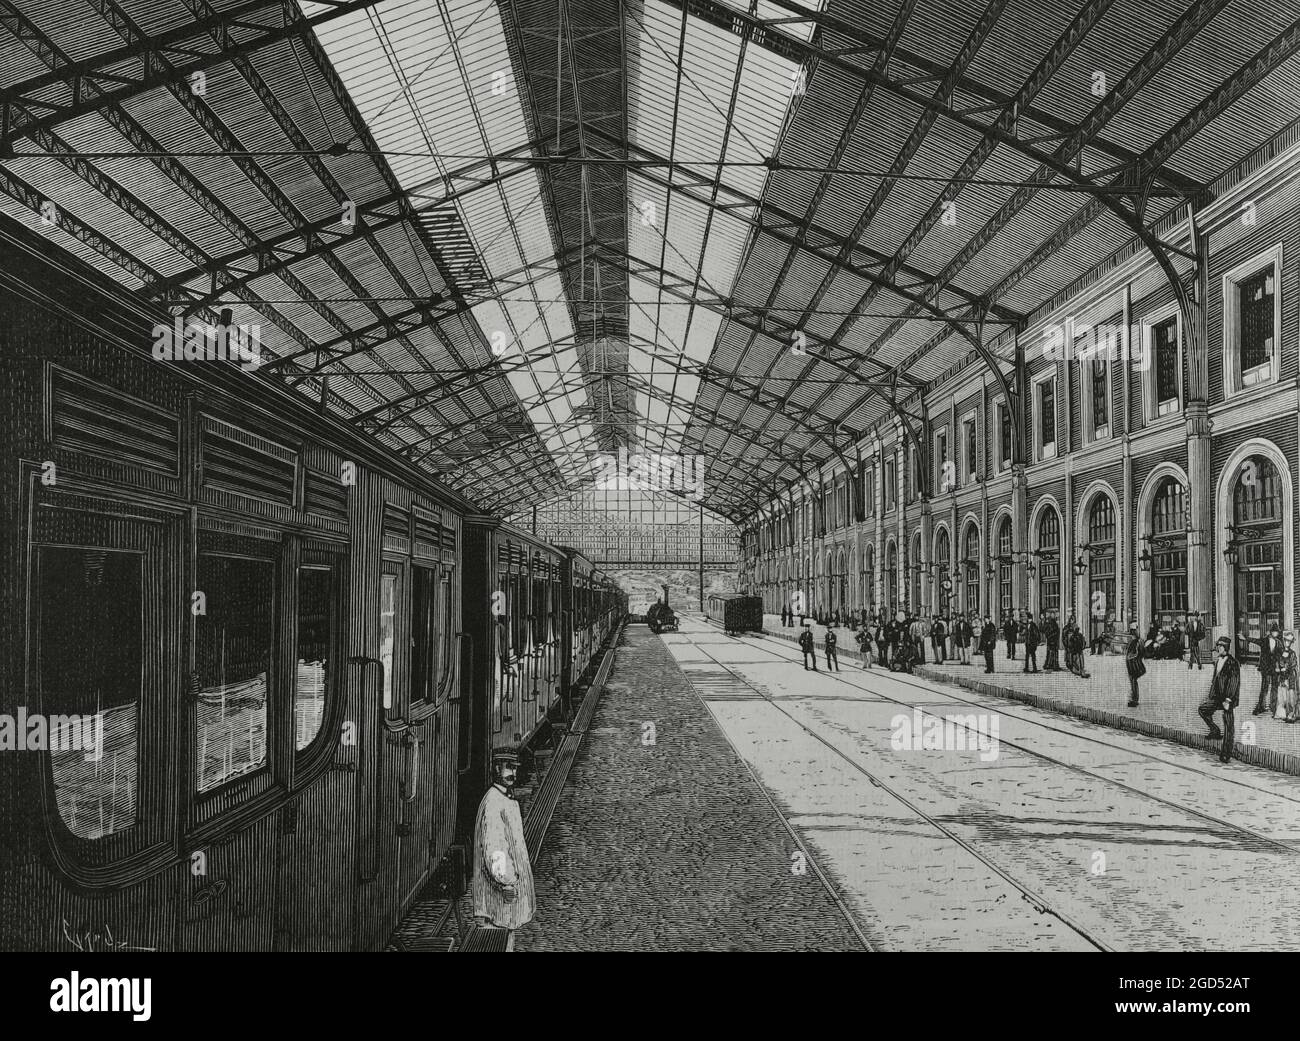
point(503, 877)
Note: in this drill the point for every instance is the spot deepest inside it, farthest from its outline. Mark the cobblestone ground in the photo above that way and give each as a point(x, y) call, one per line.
point(1168, 695)
point(671, 845)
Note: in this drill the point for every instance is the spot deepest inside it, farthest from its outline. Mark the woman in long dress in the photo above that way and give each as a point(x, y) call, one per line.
point(1288, 683)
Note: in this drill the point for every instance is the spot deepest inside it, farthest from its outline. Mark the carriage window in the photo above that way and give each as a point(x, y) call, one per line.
point(424, 634)
point(233, 650)
point(315, 652)
point(539, 611)
point(91, 678)
point(387, 632)
point(445, 620)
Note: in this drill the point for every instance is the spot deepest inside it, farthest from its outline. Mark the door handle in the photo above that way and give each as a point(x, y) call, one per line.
point(411, 780)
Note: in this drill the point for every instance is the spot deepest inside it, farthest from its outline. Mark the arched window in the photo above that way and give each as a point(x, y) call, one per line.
point(1101, 562)
point(1169, 552)
point(1049, 561)
point(1004, 566)
point(971, 554)
point(1257, 517)
point(869, 576)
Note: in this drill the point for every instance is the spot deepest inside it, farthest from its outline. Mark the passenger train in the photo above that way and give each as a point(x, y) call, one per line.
point(269, 659)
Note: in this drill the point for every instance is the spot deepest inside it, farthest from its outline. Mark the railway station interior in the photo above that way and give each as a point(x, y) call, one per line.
point(649, 475)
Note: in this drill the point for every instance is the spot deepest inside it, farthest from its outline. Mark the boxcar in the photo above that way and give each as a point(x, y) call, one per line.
point(736, 613)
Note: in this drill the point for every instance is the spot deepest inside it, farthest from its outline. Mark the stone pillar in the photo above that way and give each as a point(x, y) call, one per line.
point(926, 606)
point(877, 491)
point(1200, 508)
point(1019, 533)
point(1200, 520)
point(900, 533)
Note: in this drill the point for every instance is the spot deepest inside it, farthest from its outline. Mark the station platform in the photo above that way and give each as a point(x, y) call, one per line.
point(1169, 694)
point(1057, 834)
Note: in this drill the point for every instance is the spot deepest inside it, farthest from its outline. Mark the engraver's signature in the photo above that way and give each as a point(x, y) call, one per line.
point(87, 940)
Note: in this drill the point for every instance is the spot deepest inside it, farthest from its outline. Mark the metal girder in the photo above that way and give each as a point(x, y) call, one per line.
point(979, 33)
point(126, 79)
point(646, 272)
point(814, 239)
point(995, 99)
point(1057, 164)
point(275, 254)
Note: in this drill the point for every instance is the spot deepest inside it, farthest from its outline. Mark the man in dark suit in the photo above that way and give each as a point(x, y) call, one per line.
point(1032, 637)
point(1052, 638)
point(988, 643)
point(808, 647)
point(1010, 630)
point(1225, 692)
point(1195, 634)
point(1133, 663)
point(938, 639)
point(894, 633)
point(1270, 648)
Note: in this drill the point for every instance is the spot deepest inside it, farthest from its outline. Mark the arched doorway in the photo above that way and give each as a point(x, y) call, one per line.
point(891, 577)
point(1168, 553)
point(1101, 562)
point(942, 573)
point(1049, 561)
point(970, 570)
point(842, 602)
point(1257, 558)
point(869, 577)
point(1005, 585)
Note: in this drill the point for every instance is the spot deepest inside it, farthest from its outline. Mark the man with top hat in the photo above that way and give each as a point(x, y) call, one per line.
point(808, 647)
point(1270, 649)
point(1133, 662)
point(1225, 690)
point(502, 886)
point(1195, 634)
point(1031, 637)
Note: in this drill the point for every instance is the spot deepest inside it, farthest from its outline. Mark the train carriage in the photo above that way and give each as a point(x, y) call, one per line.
point(265, 615)
point(735, 613)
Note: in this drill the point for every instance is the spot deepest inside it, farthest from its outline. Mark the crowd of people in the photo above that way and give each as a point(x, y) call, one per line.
point(898, 640)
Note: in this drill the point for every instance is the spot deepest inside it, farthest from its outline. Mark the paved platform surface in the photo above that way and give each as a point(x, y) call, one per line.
point(1169, 695)
point(672, 845)
point(1071, 836)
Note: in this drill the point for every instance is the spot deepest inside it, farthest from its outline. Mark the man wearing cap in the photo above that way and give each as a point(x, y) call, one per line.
point(1270, 648)
point(1133, 662)
point(503, 877)
point(1225, 690)
point(988, 642)
point(1195, 634)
